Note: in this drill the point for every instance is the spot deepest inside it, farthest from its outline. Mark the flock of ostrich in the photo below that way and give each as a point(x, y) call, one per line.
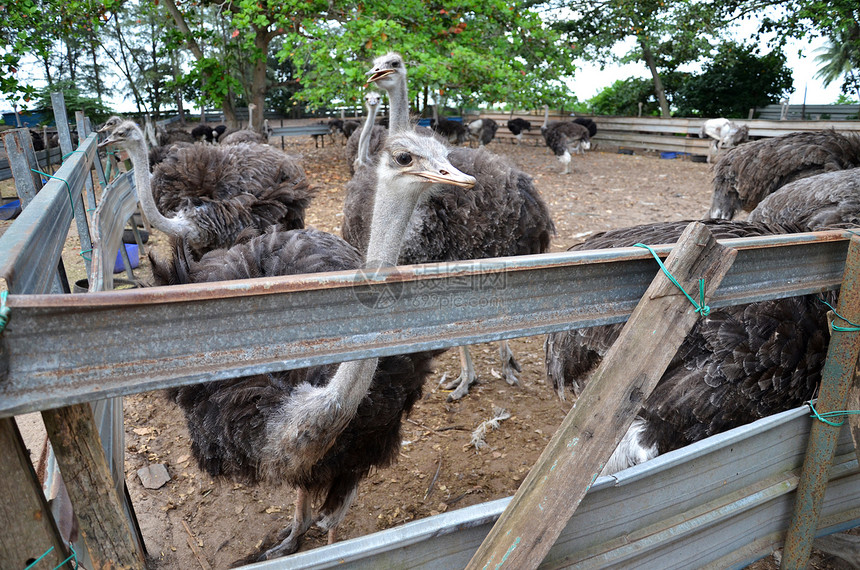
point(236, 210)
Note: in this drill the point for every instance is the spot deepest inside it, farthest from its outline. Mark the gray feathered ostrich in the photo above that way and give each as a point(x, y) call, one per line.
point(320, 429)
point(746, 174)
point(564, 138)
point(737, 365)
point(208, 195)
point(518, 126)
point(483, 130)
point(363, 145)
point(836, 196)
point(503, 215)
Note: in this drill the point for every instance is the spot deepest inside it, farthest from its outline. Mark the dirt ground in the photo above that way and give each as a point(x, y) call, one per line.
point(192, 521)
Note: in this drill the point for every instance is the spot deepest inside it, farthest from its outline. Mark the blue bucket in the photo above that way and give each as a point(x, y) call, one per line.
point(131, 249)
point(10, 210)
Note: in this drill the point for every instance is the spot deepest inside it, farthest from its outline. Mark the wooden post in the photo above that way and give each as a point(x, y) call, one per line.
point(580, 448)
point(81, 457)
point(836, 379)
point(29, 530)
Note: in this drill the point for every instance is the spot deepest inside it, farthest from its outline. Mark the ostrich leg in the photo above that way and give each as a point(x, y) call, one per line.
point(467, 377)
point(302, 521)
point(509, 364)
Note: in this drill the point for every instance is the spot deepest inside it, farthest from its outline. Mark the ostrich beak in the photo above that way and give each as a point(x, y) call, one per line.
point(377, 74)
point(442, 172)
point(106, 142)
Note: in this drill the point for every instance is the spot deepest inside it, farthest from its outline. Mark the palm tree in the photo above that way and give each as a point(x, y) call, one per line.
point(841, 58)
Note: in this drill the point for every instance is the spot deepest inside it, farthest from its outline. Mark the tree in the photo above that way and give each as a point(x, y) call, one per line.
point(469, 51)
point(841, 58)
point(667, 33)
point(623, 98)
point(736, 81)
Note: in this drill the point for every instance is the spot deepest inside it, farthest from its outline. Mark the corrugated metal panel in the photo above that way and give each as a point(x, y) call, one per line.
point(59, 350)
point(722, 502)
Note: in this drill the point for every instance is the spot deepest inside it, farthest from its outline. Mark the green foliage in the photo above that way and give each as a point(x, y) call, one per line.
point(466, 52)
point(735, 81)
point(623, 97)
point(844, 99)
point(93, 108)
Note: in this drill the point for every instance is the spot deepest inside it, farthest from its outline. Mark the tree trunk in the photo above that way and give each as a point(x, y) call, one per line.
point(98, 79)
point(658, 83)
point(258, 77)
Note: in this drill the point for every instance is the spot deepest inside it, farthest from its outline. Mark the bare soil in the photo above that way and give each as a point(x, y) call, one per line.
point(196, 522)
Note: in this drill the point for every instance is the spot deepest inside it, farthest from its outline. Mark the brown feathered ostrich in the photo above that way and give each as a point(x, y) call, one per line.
point(364, 144)
point(320, 429)
point(746, 174)
point(208, 195)
point(564, 138)
point(737, 365)
point(503, 215)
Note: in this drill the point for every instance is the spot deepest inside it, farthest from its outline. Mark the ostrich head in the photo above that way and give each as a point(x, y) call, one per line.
point(110, 124)
point(388, 71)
point(372, 99)
point(123, 133)
point(418, 162)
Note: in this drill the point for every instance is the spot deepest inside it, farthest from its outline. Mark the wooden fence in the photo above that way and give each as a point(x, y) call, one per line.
point(102, 356)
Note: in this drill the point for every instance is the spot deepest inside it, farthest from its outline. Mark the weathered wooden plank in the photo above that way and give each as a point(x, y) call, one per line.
point(79, 452)
point(836, 378)
point(573, 459)
point(28, 527)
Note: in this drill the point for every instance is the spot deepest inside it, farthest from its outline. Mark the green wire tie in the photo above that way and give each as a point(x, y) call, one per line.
point(852, 328)
point(83, 251)
point(74, 557)
point(65, 156)
point(5, 312)
point(701, 307)
point(823, 416)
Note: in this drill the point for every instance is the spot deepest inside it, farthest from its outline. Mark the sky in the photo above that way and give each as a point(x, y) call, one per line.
point(590, 79)
point(800, 55)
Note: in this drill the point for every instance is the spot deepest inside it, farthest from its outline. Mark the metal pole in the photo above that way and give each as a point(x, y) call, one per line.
point(836, 377)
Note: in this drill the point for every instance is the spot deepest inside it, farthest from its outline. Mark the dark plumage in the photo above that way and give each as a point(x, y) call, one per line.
point(836, 196)
point(173, 135)
point(218, 131)
point(565, 138)
point(230, 188)
point(483, 130)
point(588, 124)
point(349, 127)
point(202, 132)
point(454, 131)
point(518, 126)
point(737, 365)
point(38, 143)
point(159, 153)
point(746, 174)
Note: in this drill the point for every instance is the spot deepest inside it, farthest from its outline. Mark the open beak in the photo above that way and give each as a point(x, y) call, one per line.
point(377, 74)
point(106, 142)
point(443, 173)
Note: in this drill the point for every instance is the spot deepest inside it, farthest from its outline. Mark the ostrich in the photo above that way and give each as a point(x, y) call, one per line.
point(247, 135)
point(454, 131)
point(723, 134)
point(349, 127)
point(483, 130)
point(836, 196)
point(203, 133)
point(563, 138)
point(517, 126)
point(588, 124)
point(744, 175)
point(503, 215)
point(214, 193)
point(737, 365)
point(363, 145)
point(218, 131)
point(321, 429)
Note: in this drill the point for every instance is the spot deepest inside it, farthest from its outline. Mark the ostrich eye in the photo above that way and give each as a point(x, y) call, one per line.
point(395, 64)
point(403, 159)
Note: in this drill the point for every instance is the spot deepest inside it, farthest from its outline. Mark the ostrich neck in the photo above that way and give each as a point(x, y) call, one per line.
point(545, 116)
point(391, 214)
point(143, 184)
point(399, 109)
point(364, 139)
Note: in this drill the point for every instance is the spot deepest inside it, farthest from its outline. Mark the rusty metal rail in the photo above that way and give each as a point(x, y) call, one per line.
point(58, 350)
